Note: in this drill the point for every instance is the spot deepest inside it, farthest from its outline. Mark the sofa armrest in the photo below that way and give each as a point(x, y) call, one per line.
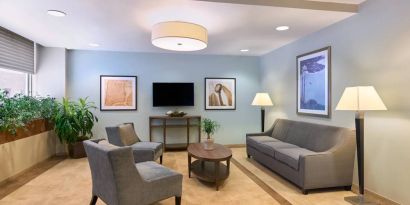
point(266, 133)
point(331, 168)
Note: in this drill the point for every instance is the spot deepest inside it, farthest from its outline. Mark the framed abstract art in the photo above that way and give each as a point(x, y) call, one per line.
point(118, 92)
point(314, 83)
point(220, 93)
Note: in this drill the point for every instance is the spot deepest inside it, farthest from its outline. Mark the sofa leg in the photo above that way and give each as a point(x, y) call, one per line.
point(249, 156)
point(348, 188)
point(177, 200)
point(93, 200)
point(160, 159)
point(304, 191)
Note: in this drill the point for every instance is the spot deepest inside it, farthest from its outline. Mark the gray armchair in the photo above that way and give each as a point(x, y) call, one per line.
point(118, 181)
point(124, 135)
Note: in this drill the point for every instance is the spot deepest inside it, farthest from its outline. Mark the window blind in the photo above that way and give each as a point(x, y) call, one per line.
point(16, 52)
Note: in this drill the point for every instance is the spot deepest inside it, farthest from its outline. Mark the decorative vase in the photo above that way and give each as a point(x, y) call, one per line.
point(209, 144)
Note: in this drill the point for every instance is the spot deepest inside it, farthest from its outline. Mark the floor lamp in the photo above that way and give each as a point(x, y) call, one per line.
point(262, 100)
point(360, 99)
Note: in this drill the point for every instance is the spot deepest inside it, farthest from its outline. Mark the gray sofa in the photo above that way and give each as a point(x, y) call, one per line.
point(311, 156)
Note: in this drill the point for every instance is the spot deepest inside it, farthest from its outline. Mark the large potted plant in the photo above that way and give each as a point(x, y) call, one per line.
point(73, 124)
point(209, 127)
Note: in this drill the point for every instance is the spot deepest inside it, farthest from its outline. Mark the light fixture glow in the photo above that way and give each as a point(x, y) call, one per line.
point(94, 44)
point(56, 13)
point(244, 50)
point(282, 28)
point(179, 36)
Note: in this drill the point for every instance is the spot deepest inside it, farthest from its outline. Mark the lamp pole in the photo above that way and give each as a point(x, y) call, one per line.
point(263, 118)
point(359, 123)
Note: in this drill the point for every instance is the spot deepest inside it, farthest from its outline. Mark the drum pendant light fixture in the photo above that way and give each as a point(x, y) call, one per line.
point(179, 36)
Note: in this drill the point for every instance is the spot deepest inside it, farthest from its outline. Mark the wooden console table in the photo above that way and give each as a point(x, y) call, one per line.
point(164, 126)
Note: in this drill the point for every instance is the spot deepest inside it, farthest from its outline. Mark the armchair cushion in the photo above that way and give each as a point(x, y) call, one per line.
point(290, 156)
point(151, 171)
point(127, 134)
point(146, 151)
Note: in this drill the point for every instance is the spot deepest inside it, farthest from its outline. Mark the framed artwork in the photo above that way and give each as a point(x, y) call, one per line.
point(313, 83)
point(220, 93)
point(118, 92)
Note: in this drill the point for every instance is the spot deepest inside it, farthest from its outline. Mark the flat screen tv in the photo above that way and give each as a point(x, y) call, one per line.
point(173, 94)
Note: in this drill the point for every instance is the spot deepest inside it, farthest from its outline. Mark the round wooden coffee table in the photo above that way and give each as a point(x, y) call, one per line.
point(208, 166)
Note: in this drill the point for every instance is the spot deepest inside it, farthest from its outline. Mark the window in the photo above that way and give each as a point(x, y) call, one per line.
point(14, 82)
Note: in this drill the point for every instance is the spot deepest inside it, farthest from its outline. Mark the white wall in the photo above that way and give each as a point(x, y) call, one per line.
point(50, 77)
point(85, 68)
point(370, 48)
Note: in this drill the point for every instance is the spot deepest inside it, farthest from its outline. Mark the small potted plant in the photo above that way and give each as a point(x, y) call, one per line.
point(73, 124)
point(209, 127)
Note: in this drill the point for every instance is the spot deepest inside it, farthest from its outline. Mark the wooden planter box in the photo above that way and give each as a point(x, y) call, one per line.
point(33, 128)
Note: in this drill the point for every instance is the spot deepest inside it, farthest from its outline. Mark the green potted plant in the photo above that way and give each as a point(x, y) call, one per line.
point(73, 124)
point(209, 127)
point(20, 114)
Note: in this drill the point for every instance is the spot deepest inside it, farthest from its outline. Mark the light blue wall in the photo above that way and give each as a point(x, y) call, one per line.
point(85, 67)
point(370, 48)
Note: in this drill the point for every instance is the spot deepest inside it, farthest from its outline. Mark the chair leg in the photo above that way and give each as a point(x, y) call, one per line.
point(160, 159)
point(93, 200)
point(348, 188)
point(249, 156)
point(305, 191)
point(177, 200)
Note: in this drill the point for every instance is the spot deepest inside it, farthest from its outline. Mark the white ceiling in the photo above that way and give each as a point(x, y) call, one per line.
point(342, 1)
point(124, 25)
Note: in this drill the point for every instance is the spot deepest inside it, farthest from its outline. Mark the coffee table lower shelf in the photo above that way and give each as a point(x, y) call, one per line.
point(210, 171)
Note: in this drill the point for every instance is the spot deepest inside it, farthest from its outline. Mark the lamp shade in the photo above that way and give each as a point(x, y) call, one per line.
point(360, 98)
point(179, 36)
point(262, 99)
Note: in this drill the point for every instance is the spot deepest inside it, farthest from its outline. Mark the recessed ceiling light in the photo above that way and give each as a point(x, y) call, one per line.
point(94, 44)
point(244, 50)
point(282, 28)
point(56, 13)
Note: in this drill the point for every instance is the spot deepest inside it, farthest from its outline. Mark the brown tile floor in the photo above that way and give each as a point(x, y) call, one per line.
point(69, 182)
point(286, 189)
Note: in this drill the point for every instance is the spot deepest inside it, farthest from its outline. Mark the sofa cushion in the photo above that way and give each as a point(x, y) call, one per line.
point(315, 137)
point(269, 148)
point(281, 129)
point(127, 134)
point(255, 140)
point(290, 156)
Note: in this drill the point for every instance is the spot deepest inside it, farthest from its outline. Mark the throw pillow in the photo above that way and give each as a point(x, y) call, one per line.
point(128, 135)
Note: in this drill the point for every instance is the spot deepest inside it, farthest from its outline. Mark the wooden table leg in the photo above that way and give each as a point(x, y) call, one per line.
point(165, 134)
point(217, 175)
point(187, 132)
point(189, 166)
point(228, 165)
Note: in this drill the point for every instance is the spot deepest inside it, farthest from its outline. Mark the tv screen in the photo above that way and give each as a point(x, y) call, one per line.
point(173, 94)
